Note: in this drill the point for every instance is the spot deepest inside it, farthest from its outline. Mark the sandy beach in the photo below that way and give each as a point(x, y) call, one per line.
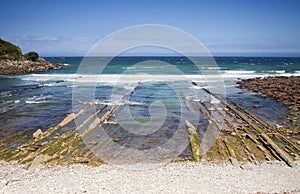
point(184, 177)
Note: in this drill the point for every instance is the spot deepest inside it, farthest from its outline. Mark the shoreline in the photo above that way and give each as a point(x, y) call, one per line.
point(22, 66)
point(242, 138)
point(183, 177)
point(236, 163)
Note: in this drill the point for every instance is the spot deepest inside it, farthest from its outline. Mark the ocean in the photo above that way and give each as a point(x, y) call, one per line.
point(41, 100)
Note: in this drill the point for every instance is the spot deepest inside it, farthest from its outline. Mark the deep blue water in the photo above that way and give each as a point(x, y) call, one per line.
point(266, 65)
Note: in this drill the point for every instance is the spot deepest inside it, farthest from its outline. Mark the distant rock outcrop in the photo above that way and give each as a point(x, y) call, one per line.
point(284, 89)
point(13, 62)
point(13, 67)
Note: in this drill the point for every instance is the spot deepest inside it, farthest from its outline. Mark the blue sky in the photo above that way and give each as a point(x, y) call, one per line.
point(231, 27)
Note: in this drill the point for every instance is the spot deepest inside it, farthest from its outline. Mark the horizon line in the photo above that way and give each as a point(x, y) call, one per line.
point(275, 56)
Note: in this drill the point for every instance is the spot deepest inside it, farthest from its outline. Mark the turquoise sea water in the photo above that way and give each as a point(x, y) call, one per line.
point(41, 100)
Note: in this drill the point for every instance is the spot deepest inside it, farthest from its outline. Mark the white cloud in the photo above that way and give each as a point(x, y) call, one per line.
point(47, 45)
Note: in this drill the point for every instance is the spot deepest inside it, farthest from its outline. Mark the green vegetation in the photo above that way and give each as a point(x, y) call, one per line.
point(13, 52)
point(33, 56)
point(8, 50)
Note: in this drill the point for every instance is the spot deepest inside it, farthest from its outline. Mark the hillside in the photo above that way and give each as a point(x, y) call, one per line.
point(9, 50)
point(13, 61)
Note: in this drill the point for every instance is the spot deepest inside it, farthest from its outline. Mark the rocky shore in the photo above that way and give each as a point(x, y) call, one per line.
point(264, 158)
point(284, 89)
point(13, 67)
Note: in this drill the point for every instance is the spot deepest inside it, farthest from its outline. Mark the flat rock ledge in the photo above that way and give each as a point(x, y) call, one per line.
point(284, 89)
point(14, 67)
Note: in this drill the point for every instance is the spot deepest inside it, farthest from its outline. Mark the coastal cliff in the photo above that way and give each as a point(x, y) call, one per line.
point(13, 62)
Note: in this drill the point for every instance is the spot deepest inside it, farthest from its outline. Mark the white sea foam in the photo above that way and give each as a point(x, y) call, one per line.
point(38, 99)
point(50, 84)
point(50, 77)
point(119, 103)
point(35, 102)
point(210, 68)
point(232, 75)
point(214, 100)
point(110, 122)
point(196, 87)
point(134, 103)
point(112, 103)
point(276, 71)
point(135, 78)
point(238, 72)
point(122, 78)
point(280, 72)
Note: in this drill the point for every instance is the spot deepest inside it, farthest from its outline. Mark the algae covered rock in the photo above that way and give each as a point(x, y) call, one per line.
point(194, 141)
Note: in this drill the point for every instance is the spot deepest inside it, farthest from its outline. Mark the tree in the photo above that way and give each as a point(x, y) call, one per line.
point(33, 56)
